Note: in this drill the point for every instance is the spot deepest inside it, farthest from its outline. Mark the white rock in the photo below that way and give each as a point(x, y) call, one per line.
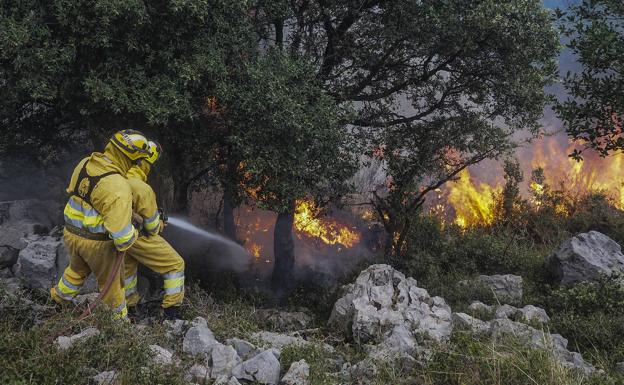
point(198, 339)
point(224, 360)
point(479, 308)
point(242, 347)
point(506, 288)
point(534, 313)
point(161, 355)
point(507, 311)
point(175, 328)
point(586, 257)
point(263, 369)
point(106, 378)
point(384, 305)
point(197, 373)
point(36, 263)
point(64, 343)
point(462, 321)
point(499, 328)
point(298, 374)
point(223, 380)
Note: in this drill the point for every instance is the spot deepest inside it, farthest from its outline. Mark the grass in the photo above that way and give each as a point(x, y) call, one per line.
point(34, 359)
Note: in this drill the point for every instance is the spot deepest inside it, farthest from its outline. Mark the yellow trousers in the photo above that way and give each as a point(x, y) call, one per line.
point(155, 253)
point(86, 256)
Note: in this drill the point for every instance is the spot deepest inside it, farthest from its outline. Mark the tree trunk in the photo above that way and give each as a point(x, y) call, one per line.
point(284, 251)
point(229, 226)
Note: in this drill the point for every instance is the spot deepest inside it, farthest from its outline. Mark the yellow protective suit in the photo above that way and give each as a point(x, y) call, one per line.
point(151, 250)
point(97, 227)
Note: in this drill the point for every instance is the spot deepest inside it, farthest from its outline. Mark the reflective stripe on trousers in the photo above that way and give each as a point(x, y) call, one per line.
point(130, 284)
point(66, 289)
point(174, 282)
point(121, 311)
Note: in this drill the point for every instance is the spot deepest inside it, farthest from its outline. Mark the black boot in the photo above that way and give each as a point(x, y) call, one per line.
point(172, 313)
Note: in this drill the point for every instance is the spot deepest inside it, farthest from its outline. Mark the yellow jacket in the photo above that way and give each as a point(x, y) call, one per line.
point(110, 210)
point(144, 198)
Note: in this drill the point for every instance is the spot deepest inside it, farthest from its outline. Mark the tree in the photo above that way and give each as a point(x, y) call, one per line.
point(439, 85)
point(70, 67)
point(292, 141)
point(594, 111)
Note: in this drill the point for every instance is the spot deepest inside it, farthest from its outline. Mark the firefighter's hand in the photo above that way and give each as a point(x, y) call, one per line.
point(162, 226)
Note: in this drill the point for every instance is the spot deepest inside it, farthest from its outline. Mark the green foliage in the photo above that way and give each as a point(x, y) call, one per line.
point(606, 295)
point(472, 362)
point(594, 110)
point(590, 315)
point(226, 318)
point(439, 257)
point(73, 71)
point(289, 133)
point(34, 359)
point(316, 356)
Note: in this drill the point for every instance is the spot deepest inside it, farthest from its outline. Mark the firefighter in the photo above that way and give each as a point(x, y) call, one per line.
point(98, 219)
point(152, 250)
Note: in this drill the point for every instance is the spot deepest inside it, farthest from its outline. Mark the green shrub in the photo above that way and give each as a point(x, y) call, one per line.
point(316, 356)
point(468, 361)
point(591, 316)
point(32, 358)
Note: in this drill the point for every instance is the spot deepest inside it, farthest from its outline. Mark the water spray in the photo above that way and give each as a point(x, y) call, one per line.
point(185, 225)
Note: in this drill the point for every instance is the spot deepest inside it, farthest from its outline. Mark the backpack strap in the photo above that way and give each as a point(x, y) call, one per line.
point(91, 180)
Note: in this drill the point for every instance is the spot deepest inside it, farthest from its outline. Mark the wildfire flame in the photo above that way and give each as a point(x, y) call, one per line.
point(331, 232)
point(255, 250)
point(473, 205)
point(591, 174)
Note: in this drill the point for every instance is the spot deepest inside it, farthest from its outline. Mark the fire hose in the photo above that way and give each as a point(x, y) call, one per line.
point(90, 307)
point(107, 285)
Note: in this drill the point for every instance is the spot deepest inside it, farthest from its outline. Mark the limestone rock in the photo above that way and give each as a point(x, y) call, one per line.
point(36, 264)
point(161, 355)
point(223, 380)
point(586, 257)
point(531, 313)
point(198, 373)
point(462, 321)
point(506, 311)
point(224, 360)
point(106, 378)
point(64, 343)
point(176, 328)
point(382, 299)
point(243, 348)
point(537, 339)
point(507, 288)
point(264, 369)
point(198, 339)
point(297, 374)
point(478, 307)
point(11, 286)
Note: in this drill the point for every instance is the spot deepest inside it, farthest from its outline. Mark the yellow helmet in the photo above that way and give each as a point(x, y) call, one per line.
point(132, 143)
point(155, 152)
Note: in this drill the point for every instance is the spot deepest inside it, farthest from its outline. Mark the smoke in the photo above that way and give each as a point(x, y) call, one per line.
point(206, 253)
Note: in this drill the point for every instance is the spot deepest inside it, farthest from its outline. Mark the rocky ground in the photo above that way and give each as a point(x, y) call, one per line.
point(384, 327)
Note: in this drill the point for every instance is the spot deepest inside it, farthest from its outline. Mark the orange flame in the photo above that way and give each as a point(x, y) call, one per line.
point(592, 174)
point(331, 232)
point(473, 205)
